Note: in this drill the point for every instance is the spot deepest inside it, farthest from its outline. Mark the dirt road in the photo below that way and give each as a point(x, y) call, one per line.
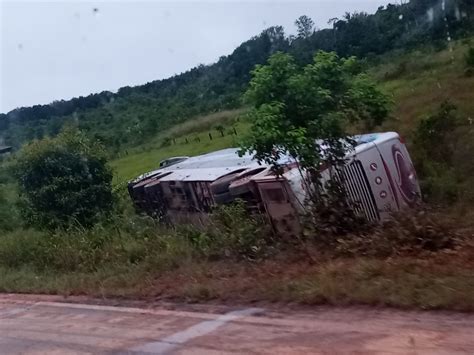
point(38, 325)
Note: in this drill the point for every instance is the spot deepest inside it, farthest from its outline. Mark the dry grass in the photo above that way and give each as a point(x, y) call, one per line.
point(433, 281)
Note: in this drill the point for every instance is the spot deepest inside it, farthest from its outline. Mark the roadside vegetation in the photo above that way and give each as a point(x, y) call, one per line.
point(421, 263)
point(422, 258)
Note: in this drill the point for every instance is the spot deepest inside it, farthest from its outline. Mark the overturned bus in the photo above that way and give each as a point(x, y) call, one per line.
point(378, 177)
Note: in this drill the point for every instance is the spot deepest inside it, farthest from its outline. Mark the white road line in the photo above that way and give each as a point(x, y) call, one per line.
point(156, 312)
point(173, 341)
point(14, 311)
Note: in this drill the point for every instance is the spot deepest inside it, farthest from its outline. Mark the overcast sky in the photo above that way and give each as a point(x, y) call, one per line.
point(57, 50)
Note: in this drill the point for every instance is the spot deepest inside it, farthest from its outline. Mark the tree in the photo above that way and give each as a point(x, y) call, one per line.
point(305, 110)
point(64, 180)
point(305, 26)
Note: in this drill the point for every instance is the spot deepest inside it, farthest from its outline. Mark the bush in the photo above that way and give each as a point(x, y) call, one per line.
point(238, 234)
point(331, 215)
point(19, 247)
point(122, 241)
point(4, 210)
point(442, 152)
point(9, 218)
point(408, 233)
point(469, 58)
point(432, 136)
point(231, 233)
point(469, 72)
point(63, 181)
point(166, 142)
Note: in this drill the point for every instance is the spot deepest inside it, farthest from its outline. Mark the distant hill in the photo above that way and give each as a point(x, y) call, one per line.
point(134, 114)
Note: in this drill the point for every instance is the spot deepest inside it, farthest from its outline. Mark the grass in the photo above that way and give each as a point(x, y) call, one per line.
point(420, 80)
point(134, 258)
point(147, 157)
point(399, 282)
point(116, 281)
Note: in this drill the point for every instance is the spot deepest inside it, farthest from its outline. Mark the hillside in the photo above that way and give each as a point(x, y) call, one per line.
point(418, 81)
point(422, 79)
point(135, 114)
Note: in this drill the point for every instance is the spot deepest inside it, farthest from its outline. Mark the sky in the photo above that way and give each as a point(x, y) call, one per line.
point(62, 49)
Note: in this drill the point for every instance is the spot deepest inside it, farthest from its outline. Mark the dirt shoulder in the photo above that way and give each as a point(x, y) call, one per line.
point(39, 324)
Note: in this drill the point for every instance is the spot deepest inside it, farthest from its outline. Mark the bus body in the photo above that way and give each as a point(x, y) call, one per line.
point(378, 177)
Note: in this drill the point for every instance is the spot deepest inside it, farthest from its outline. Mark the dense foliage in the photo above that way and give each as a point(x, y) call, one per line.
point(64, 180)
point(135, 113)
point(305, 110)
point(443, 150)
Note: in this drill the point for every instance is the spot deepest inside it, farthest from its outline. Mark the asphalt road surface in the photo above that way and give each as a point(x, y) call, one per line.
point(36, 326)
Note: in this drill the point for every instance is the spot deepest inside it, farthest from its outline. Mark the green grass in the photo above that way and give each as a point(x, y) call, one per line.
point(116, 281)
point(420, 80)
point(147, 157)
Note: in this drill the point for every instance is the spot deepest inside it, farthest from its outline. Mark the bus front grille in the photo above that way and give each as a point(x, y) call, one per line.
point(358, 191)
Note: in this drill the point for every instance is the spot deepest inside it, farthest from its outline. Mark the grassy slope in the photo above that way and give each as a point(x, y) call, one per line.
point(147, 156)
point(417, 82)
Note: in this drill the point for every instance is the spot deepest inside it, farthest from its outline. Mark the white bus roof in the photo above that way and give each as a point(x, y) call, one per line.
point(211, 166)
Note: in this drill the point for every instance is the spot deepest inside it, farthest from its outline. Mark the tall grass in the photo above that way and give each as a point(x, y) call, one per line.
point(133, 240)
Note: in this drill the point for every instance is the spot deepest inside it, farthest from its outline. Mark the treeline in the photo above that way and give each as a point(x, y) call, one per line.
point(133, 114)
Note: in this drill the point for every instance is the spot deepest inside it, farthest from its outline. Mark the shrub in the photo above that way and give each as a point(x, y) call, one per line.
point(122, 241)
point(64, 180)
point(396, 71)
point(231, 233)
point(442, 152)
point(239, 234)
point(4, 210)
point(166, 142)
point(432, 135)
point(9, 218)
point(331, 215)
point(469, 58)
point(408, 233)
point(19, 247)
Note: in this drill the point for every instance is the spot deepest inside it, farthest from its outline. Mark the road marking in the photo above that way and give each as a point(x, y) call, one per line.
point(155, 312)
point(177, 339)
point(15, 311)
